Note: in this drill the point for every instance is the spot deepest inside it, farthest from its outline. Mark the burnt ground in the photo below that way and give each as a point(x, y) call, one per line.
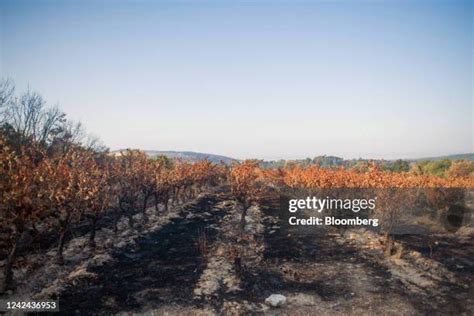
point(457, 259)
point(160, 268)
point(357, 280)
point(319, 271)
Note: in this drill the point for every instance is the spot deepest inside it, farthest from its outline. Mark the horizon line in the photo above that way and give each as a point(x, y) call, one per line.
point(315, 156)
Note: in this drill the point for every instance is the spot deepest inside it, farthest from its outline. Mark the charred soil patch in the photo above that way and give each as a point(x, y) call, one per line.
point(312, 260)
point(162, 267)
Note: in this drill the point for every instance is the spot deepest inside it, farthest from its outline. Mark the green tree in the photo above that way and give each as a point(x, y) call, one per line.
point(400, 166)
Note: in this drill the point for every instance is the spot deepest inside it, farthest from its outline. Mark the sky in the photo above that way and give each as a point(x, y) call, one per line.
point(252, 79)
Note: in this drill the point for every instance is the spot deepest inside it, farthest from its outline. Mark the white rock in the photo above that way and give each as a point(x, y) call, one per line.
point(275, 300)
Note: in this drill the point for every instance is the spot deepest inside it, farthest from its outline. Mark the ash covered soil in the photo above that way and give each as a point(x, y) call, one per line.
point(194, 260)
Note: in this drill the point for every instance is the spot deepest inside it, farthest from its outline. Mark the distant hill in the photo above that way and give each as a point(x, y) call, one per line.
point(186, 155)
point(323, 161)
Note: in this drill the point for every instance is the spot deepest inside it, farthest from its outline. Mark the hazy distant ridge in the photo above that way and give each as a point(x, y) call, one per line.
point(188, 155)
point(322, 160)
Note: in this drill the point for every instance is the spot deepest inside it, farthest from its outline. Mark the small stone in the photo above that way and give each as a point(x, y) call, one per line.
point(275, 300)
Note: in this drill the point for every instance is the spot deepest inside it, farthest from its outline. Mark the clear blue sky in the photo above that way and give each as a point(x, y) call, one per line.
point(262, 79)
